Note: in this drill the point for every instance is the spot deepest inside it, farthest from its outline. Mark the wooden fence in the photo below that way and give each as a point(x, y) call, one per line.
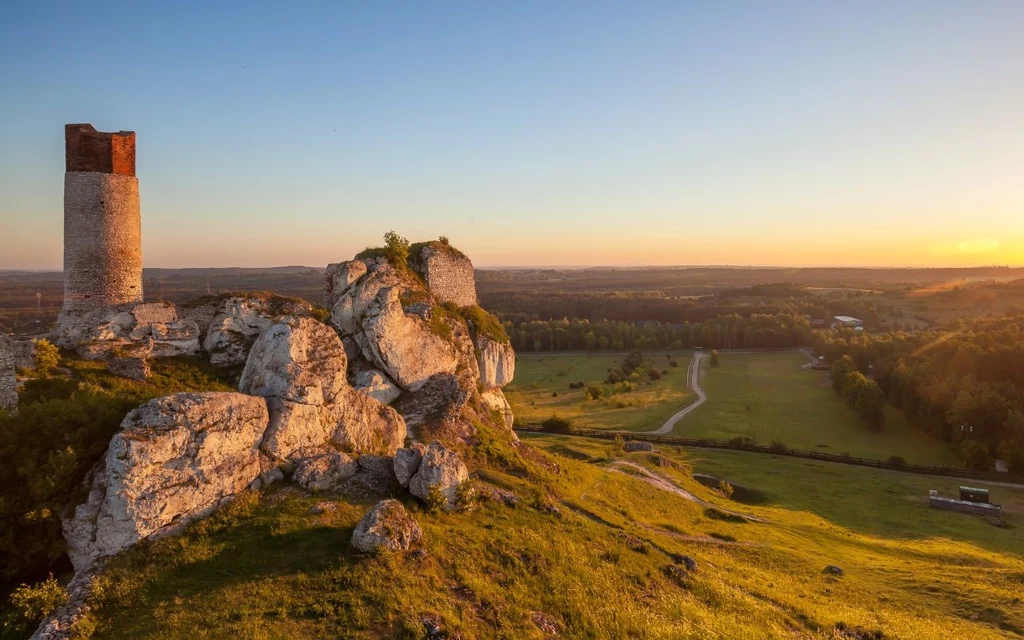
point(706, 443)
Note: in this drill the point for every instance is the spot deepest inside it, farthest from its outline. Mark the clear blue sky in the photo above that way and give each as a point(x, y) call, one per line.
point(530, 132)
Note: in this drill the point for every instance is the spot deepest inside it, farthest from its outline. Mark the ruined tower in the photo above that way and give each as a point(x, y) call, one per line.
point(102, 222)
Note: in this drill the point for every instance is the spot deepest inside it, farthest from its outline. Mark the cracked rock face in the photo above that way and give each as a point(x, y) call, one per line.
point(324, 472)
point(497, 362)
point(175, 459)
point(386, 525)
point(239, 320)
point(299, 365)
point(155, 327)
point(440, 469)
point(377, 385)
point(494, 400)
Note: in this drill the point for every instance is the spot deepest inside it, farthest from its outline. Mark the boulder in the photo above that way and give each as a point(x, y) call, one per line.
point(339, 277)
point(440, 469)
point(324, 472)
point(8, 382)
point(176, 458)
point(348, 312)
point(240, 319)
point(377, 385)
point(299, 365)
point(405, 347)
point(387, 525)
point(407, 462)
point(494, 400)
point(497, 362)
point(833, 570)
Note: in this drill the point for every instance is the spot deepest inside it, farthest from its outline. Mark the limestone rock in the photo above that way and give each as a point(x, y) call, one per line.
point(324, 472)
point(154, 326)
point(494, 400)
point(497, 362)
point(240, 319)
point(176, 458)
point(375, 478)
point(386, 525)
point(440, 399)
point(407, 462)
point(8, 382)
point(24, 353)
point(377, 385)
point(300, 366)
point(338, 277)
point(299, 360)
point(440, 468)
point(347, 313)
point(405, 347)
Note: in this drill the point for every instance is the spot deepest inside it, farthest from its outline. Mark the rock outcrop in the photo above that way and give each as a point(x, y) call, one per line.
point(8, 382)
point(440, 469)
point(300, 366)
point(387, 525)
point(497, 362)
point(237, 321)
point(155, 327)
point(325, 472)
point(377, 385)
point(175, 459)
point(495, 400)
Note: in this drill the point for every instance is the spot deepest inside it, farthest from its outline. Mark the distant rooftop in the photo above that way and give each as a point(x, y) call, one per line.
point(847, 319)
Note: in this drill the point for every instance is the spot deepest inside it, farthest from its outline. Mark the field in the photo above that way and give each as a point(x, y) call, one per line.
point(644, 409)
point(768, 397)
point(588, 554)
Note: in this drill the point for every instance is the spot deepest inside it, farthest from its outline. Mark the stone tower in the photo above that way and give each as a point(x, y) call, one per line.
point(102, 222)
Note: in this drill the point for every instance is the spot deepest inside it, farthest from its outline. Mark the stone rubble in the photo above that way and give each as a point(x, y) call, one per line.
point(387, 525)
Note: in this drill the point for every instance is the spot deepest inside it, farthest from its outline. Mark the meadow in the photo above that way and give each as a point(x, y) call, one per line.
point(766, 396)
point(591, 550)
point(539, 378)
point(769, 397)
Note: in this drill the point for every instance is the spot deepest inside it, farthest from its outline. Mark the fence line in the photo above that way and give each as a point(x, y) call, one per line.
point(783, 451)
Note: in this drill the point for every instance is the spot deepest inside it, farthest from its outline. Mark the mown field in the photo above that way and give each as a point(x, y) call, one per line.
point(766, 396)
point(587, 553)
point(769, 397)
point(645, 408)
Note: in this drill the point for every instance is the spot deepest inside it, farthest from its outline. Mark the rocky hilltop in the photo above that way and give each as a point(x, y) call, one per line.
point(379, 399)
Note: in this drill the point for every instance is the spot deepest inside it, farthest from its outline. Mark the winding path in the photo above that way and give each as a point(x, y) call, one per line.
point(692, 381)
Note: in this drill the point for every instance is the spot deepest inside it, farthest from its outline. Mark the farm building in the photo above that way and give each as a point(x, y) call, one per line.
point(847, 322)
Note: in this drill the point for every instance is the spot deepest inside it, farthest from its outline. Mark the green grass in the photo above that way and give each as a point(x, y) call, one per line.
point(768, 396)
point(643, 409)
point(267, 568)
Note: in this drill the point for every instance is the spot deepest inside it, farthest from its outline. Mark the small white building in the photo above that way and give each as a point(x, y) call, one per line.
point(847, 322)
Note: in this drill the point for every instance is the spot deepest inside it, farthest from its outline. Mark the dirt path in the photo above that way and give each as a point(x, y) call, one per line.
point(693, 382)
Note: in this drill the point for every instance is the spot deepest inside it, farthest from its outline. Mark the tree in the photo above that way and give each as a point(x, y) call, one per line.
point(840, 369)
point(396, 249)
point(47, 357)
point(714, 358)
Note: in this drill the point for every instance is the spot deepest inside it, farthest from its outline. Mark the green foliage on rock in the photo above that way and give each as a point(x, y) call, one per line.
point(47, 357)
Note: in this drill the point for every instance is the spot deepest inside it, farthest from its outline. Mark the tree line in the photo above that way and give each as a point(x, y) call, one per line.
point(962, 383)
point(731, 331)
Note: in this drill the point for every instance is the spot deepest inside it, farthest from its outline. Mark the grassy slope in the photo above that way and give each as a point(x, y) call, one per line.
point(768, 396)
point(644, 409)
point(268, 569)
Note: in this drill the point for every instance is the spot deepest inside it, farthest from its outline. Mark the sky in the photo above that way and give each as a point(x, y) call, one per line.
point(530, 133)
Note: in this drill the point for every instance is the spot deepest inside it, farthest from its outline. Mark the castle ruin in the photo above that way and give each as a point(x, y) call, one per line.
point(102, 221)
point(448, 272)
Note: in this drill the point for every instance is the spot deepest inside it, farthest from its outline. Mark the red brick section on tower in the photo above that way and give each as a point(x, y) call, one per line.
point(87, 149)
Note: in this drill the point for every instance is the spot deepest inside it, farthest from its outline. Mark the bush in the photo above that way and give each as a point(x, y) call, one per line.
point(897, 461)
point(436, 501)
point(673, 363)
point(715, 361)
point(35, 602)
point(396, 250)
point(654, 374)
point(47, 357)
point(779, 445)
point(577, 385)
point(725, 489)
point(975, 455)
point(593, 393)
point(554, 394)
point(742, 441)
point(557, 424)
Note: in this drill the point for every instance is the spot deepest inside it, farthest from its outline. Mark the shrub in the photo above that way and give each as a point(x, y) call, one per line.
point(673, 363)
point(725, 489)
point(35, 602)
point(556, 424)
point(715, 361)
point(779, 445)
point(741, 441)
point(396, 250)
point(47, 357)
point(436, 501)
point(653, 374)
point(577, 385)
point(554, 394)
point(593, 393)
point(897, 461)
